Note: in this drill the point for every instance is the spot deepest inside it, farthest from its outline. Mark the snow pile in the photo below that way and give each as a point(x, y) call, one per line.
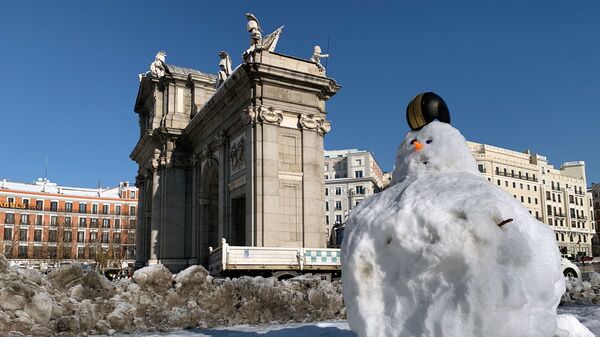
point(443, 252)
point(70, 301)
point(586, 292)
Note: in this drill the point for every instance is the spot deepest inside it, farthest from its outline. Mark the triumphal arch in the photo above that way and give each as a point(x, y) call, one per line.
point(237, 155)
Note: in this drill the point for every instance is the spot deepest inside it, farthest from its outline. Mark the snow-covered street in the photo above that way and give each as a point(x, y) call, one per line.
point(589, 315)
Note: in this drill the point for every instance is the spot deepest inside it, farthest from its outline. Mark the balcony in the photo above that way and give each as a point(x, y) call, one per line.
point(516, 176)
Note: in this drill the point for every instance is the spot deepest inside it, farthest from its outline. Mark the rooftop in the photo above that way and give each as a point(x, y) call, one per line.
point(45, 186)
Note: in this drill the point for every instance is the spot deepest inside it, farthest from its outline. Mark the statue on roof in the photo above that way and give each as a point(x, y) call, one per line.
point(159, 68)
point(224, 67)
point(256, 40)
point(317, 56)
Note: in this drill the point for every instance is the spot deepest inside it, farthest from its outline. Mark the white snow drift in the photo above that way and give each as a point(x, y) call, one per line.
point(437, 254)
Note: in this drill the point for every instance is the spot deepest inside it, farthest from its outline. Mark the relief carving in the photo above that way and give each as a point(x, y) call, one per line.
point(269, 115)
point(237, 153)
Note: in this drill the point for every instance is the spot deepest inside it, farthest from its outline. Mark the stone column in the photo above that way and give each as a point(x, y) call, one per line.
point(153, 244)
point(140, 256)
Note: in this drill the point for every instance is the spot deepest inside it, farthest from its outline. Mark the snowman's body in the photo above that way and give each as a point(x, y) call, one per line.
point(427, 257)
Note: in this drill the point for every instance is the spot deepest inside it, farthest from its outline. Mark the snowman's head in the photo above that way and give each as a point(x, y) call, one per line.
point(436, 148)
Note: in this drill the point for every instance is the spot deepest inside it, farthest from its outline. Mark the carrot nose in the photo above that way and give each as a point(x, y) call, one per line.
point(418, 145)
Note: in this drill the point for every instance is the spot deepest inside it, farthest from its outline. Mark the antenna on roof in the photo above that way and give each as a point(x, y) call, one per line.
point(327, 52)
point(99, 181)
point(46, 172)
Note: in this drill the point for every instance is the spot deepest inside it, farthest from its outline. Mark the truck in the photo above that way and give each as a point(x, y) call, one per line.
point(279, 262)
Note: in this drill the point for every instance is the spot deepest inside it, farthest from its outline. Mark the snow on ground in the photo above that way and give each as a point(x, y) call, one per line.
point(316, 329)
point(588, 315)
point(75, 302)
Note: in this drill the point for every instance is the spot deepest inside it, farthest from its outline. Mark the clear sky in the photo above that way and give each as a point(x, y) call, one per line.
point(516, 74)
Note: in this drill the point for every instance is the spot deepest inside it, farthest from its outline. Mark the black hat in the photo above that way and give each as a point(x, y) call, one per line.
point(425, 108)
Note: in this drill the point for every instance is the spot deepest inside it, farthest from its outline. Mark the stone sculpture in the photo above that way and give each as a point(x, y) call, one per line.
point(224, 67)
point(316, 57)
point(256, 40)
point(159, 68)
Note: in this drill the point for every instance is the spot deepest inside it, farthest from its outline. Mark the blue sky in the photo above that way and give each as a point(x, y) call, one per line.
point(516, 74)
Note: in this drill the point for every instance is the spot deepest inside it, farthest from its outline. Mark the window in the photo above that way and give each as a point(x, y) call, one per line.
point(132, 223)
point(24, 219)
point(22, 234)
point(572, 212)
point(522, 199)
point(22, 251)
point(132, 194)
point(506, 183)
point(570, 199)
point(116, 237)
point(514, 185)
point(8, 234)
point(37, 235)
point(558, 198)
point(548, 197)
point(118, 210)
point(326, 176)
point(82, 222)
point(68, 207)
point(39, 204)
point(327, 219)
point(498, 182)
point(358, 162)
point(82, 208)
point(131, 210)
point(326, 205)
point(534, 188)
point(68, 221)
point(53, 220)
point(105, 223)
point(358, 174)
point(81, 237)
point(104, 209)
point(360, 190)
point(338, 218)
point(521, 186)
point(535, 200)
point(93, 236)
point(338, 205)
point(326, 191)
point(39, 220)
point(68, 236)
point(529, 200)
point(52, 236)
point(549, 209)
point(81, 252)
point(94, 223)
point(26, 202)
point(338, 191)
point(104, 237)
point(11, 200)
point(550, 222)
point(480, 168)
point(117, 223)
point(53, 206)
point(95, 209)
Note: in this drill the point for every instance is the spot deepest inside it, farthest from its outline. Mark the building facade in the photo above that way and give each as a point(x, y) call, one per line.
point(350, 176)
point(595, 192)
point(556, 197)
point(242, 162)
point(46, 224)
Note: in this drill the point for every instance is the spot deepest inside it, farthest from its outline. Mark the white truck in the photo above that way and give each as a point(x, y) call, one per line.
point(280, 262)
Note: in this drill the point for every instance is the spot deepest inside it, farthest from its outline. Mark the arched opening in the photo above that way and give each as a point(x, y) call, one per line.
point(209, 208)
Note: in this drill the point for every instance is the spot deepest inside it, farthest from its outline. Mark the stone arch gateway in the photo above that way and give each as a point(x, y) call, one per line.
point(242, 162)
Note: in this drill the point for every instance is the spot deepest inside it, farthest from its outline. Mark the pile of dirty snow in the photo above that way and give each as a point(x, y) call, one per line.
point(71, 301)
point(586, 292)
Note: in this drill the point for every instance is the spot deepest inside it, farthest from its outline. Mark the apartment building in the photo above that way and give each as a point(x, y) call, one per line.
point(557, 197)
point(351, 175)
point(43, 224)
point(595, 191)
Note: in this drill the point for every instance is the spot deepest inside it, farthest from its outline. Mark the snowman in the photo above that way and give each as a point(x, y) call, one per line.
point(444, 252)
